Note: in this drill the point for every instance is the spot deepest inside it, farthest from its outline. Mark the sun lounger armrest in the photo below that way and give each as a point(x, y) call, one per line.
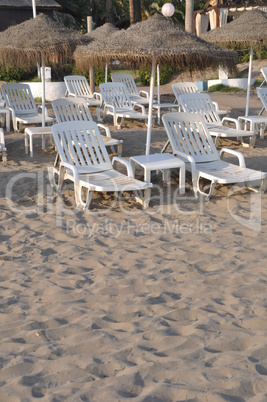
point(39, 109)
point(232, 120)
point(109, 106)
point(71, 95)
point(141, 106)
point(66, 165)
point(239, 155)
point(97, 95)
point(124, 162)
point(145, 94)
point(106, 129)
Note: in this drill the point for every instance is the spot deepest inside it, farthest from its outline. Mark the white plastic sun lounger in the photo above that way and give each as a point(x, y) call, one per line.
point(19, 100)
point(191, 141)
point(202, 104)
point(84, 160)
point(78, 87)
point(117, 103)
point(76, 109)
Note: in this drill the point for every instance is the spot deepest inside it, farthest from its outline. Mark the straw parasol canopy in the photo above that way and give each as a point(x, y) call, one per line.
point(249, 28)
point(24, 44)
point(158, 39)
point(155, 41)
point(102, 33)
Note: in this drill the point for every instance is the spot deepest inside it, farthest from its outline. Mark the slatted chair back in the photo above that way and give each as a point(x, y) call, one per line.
point(264, 73)
point(19, 98)
point(116, 94)
point(77, 85)
point(200, 103)
point(128, 80)
point(189, 135)
point(180, 88)
point(71, 109)
point(262, 93)
point(80, 144)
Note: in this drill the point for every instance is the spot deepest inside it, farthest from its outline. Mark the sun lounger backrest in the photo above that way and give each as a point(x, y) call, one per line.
point(200, 103)
point(77, 85)
point(262, 93)
point(188, 134)
point(128, 80)
point(81, 144)
point(180, 88)
point(71, 109)
point(19, 98)
point(264, 73)
point(116, 94)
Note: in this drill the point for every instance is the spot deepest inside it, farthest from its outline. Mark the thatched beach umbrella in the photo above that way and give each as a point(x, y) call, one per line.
point(156, 40)
point(248, 29)
point(37, 39)
point(100, 35)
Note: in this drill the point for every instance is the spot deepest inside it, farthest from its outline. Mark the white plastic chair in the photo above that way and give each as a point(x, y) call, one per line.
point(76, 109)
point(191, 141)
point(84, 160)
point(202, 104)
point(117, 103)
point(141, 97)
point(19, 100)
point(78, 87)
point(180, 88)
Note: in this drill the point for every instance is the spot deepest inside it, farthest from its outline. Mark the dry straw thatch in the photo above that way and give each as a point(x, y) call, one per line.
point(24, 44)
point(249, 28)
point(156, 39)
point(101, 34)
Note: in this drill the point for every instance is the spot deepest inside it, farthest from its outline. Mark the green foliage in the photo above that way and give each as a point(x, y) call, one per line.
point(223, 88)
point(16, 74)
point(244, 54)
point(166, 73)
point(100, 75)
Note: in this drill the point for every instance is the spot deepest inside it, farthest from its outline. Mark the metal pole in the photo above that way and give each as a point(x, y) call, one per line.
point(34, 8)
point(249, 80)
point(43, 92)
point(150, 107)
point(91, 68)
point(158, 85)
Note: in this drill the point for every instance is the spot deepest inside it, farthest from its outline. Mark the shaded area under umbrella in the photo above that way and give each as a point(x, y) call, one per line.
point(248, 29)
point(155, 41)
point(100, 35)
point(36, 39)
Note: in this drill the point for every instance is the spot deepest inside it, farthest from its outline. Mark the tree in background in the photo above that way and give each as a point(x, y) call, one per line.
point(189, 16)
point(135, 11)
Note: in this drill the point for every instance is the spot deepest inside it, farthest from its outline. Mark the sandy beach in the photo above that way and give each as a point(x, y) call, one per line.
point(117, 303)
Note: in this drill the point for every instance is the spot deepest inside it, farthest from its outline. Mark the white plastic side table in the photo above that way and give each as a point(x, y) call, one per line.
point(6, 112)
point(163, 162)
point(256, 123)
point(169, 106)
point(29, 132)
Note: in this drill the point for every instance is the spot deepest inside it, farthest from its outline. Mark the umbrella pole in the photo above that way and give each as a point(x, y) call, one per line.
point(249, 80)
point(150, 107)
point(158, 82)
point(43, 91)
point(106, 73)
point(34, 8)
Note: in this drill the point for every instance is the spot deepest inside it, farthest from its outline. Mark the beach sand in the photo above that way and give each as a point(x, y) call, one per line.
point(118, 303)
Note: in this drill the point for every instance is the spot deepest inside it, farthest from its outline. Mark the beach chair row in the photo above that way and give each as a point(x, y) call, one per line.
point(83, 158)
